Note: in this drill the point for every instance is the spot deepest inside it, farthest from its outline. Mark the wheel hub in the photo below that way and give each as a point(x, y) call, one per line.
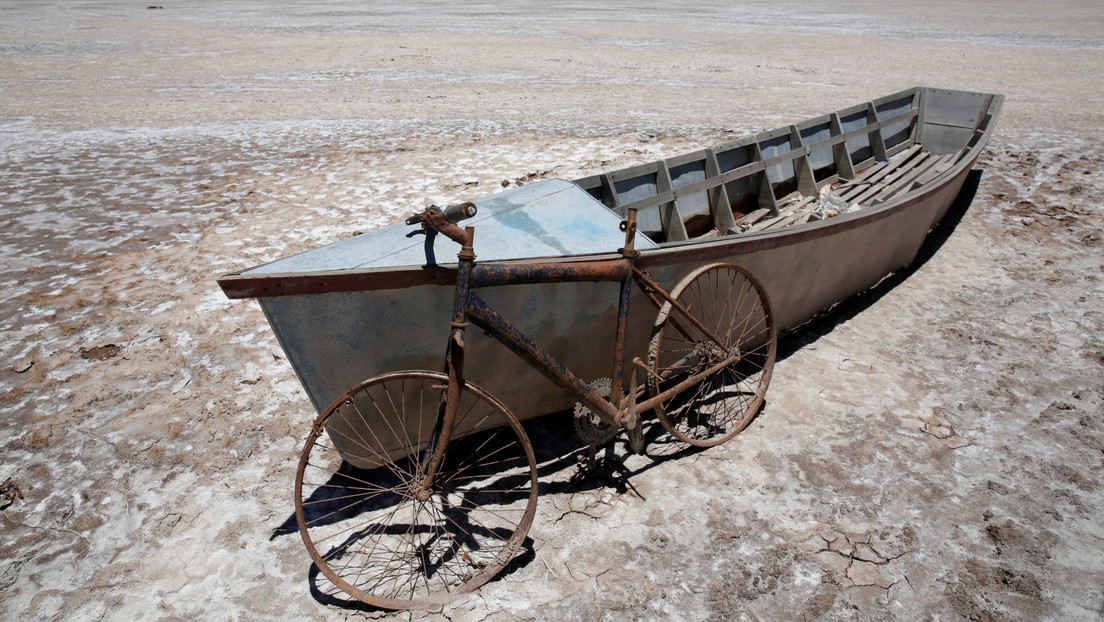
point(709, 352)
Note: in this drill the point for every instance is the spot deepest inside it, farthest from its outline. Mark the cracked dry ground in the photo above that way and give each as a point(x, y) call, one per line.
point(930, 449)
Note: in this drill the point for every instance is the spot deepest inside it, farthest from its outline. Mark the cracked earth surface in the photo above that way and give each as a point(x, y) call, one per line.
point(931, 449)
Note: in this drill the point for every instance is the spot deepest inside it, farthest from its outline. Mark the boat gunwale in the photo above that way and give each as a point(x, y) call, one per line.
point(237, 285)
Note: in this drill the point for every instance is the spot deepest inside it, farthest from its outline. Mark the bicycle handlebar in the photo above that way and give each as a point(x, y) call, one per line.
point(453, 213)
point(444, 222)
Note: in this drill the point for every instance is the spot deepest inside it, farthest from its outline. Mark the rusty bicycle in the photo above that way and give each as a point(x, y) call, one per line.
point(415, 486)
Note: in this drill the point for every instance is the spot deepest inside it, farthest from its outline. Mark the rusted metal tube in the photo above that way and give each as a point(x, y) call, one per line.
point(440, 221)
point(490, 275)
point(649, 285)
point(651, 402)
point(454, 362)
point(616, 378)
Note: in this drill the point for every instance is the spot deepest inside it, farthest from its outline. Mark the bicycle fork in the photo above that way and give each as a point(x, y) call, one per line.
point(454, 369)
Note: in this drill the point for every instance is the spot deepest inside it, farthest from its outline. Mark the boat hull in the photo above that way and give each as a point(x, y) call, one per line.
point(341, 327)
point(335, 340)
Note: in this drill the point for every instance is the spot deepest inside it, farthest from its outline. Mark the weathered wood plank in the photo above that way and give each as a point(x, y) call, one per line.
point(794, 217)
point(893, 179)
point(753, 217)
point(770, 222)
point(917, 179)
point(875, 174)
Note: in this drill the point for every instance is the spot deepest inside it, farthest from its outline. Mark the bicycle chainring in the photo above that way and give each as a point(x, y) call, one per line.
point(590, 426)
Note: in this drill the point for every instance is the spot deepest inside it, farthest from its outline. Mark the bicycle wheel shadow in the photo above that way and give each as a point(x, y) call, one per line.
point(562, 456)
point(326, 593)
point(559, 455)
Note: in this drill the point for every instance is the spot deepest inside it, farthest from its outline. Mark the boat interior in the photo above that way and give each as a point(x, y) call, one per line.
point(837, 163)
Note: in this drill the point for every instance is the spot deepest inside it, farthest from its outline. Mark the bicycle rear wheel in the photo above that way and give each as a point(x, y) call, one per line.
point(731, 304)
point(369, 523)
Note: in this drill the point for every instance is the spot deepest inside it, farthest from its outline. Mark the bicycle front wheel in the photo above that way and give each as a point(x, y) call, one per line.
point(732, 306)
point(374, 525)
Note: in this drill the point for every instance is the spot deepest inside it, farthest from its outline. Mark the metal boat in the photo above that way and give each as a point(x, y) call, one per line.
point(818, 210)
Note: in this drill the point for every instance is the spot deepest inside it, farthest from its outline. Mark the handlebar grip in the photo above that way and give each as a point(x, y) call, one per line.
point(461, 211)
point(453, 213)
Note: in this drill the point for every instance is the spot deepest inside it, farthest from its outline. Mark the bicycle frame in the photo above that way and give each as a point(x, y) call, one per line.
point(469, 306)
